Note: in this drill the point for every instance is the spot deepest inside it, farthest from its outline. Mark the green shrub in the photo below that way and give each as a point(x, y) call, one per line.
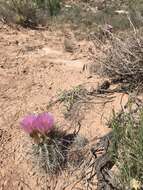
point(28, 12)
point(127, 147)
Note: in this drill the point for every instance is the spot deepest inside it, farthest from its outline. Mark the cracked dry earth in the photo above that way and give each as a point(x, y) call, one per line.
point(33, 67)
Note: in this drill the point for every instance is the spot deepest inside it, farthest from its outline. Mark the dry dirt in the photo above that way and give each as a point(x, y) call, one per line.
point(33, 67)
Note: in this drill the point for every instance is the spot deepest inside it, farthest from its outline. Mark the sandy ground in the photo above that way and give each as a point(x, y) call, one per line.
point(33, 68)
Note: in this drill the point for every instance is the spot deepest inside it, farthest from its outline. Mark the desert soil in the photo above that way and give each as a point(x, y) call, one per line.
point(34, 67)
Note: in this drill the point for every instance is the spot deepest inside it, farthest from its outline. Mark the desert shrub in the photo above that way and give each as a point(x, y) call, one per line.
point(28, 13)
point(85, 16)
point(127, 147)
point(108, 14)
point(123, 59)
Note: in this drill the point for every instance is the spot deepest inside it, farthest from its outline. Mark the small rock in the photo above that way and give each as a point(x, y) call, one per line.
point(89, 77)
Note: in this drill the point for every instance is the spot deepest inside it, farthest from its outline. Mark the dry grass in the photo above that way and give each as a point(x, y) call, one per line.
point(122, 60)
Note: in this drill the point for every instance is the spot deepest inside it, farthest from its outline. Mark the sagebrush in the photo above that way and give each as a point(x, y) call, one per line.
point(123, 59)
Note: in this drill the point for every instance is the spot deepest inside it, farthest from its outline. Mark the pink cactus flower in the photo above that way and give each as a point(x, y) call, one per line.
point(44, 123)
point(27, 124)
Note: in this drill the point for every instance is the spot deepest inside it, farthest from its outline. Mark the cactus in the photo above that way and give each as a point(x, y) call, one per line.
point(47, 146)
point(50, 153)
point(52, 148)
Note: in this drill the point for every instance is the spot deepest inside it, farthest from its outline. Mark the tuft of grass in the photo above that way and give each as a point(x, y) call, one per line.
point(53, 6)
point(70, 97)
point(127, 147)
point(71, 100)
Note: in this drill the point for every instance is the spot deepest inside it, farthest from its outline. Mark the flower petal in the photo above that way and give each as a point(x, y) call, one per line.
point(27, 124)
point(44, 122)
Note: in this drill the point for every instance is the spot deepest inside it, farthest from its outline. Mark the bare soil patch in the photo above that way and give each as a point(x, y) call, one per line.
point(34, 66)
